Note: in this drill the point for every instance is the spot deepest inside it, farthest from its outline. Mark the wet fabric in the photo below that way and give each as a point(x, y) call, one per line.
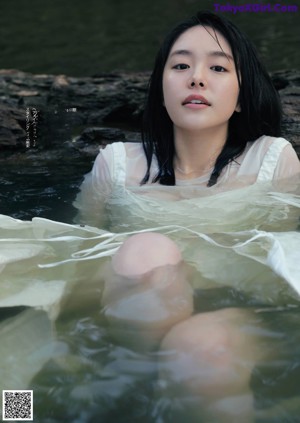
point(245, 237)
point(235, 235)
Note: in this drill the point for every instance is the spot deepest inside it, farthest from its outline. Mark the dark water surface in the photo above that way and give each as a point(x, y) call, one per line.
point(83, 38)
point(41, 184)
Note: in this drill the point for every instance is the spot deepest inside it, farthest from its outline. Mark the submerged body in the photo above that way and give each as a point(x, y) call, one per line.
point(242, 245)
point(241, 234)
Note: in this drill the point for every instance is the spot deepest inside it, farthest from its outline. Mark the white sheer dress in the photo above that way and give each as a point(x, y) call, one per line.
point(242, 234)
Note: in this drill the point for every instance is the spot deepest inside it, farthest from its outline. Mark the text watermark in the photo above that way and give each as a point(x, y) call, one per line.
point(31, 126)
point(32, 120)
point(256, 8)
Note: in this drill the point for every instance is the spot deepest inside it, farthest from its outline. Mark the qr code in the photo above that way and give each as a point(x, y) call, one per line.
point(17, 405)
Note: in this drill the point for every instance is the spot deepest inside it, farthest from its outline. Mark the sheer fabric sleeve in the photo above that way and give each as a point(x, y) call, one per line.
point(278, 159)
point(288, 164)
point(95, 189)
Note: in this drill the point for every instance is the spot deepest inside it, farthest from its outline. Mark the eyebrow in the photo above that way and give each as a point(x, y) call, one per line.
point(216, 53)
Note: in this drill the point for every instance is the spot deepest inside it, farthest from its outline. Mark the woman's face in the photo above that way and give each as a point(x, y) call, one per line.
point(200, 84)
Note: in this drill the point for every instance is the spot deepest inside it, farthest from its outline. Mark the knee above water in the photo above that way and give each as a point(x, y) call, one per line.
point(143, 252)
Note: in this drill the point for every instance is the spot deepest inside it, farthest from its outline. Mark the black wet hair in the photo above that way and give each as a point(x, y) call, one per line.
point(259, 102)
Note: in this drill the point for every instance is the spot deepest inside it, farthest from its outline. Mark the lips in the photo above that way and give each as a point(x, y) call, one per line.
point(196, 99)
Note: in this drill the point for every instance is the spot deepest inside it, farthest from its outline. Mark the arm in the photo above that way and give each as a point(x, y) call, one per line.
point(94, 191)
point(288, 164)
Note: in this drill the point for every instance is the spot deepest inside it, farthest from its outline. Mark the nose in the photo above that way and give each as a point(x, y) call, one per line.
point(193, 84)
point(197, 79)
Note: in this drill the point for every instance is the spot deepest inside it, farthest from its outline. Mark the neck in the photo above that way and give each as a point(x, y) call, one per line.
point(196, 153)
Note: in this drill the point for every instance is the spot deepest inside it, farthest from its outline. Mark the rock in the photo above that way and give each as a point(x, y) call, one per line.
point(12, 132)
point(90, 139)
point(288, 84)
point(46, 111)
point(61, 103)
point(95, 134)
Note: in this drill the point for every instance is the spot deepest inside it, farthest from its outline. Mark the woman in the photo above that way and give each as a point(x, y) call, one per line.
point(211, 125)
point(196, 211)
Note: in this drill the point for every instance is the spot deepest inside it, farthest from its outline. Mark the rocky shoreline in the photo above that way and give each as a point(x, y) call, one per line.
point(52, 111)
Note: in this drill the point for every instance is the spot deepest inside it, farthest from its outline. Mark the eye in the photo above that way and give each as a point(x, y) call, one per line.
point(218, 68)
point(181, 66)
